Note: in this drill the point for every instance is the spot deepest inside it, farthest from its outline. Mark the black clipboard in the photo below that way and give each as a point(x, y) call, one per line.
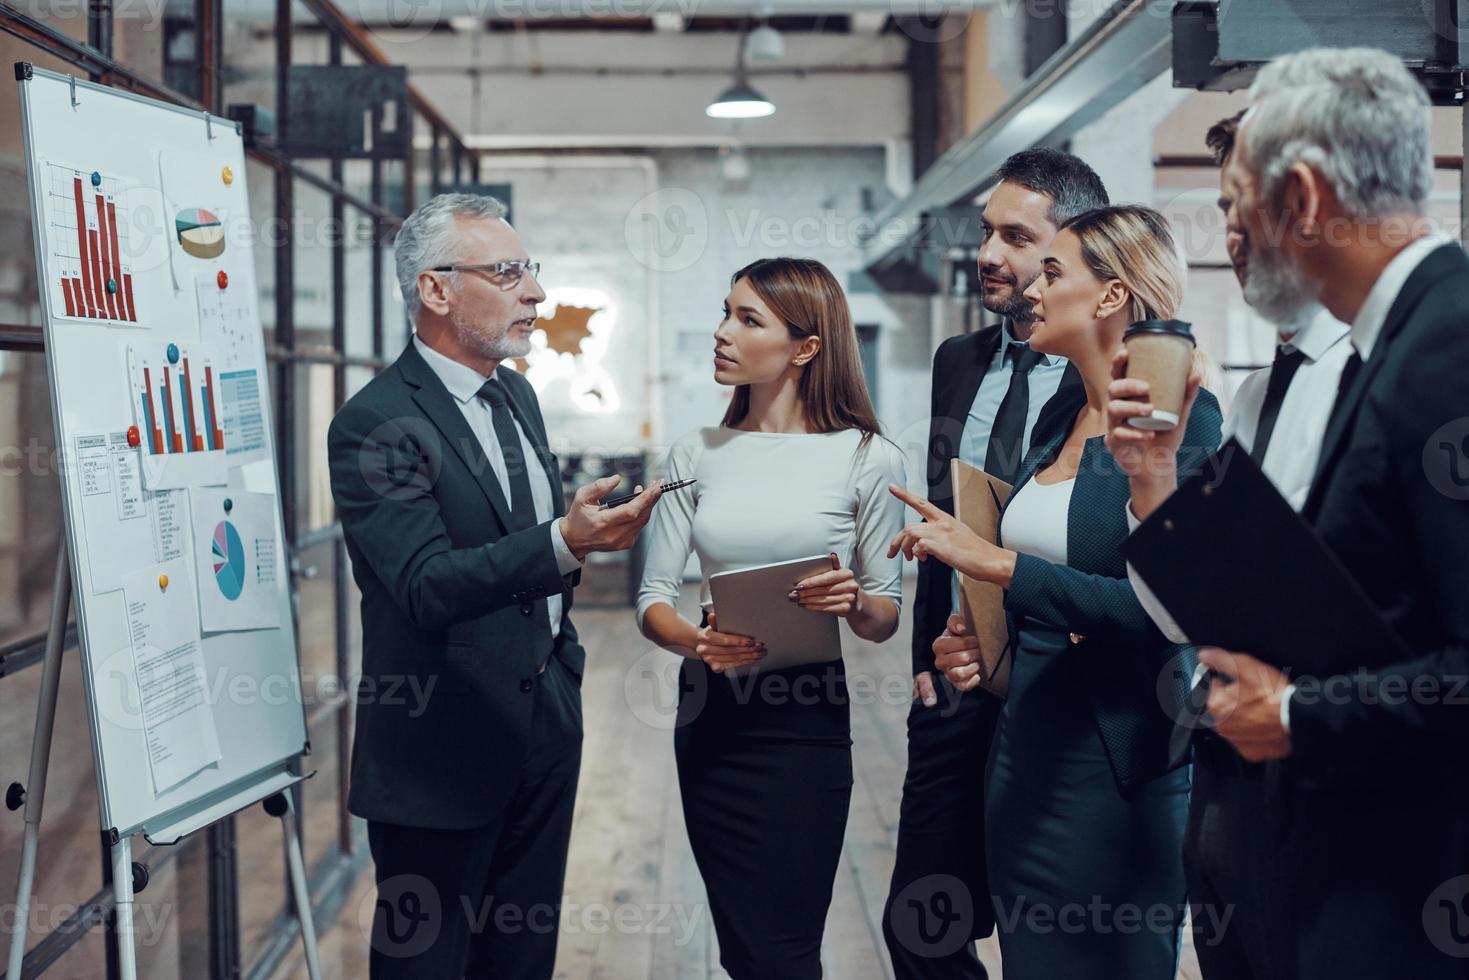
point(1237, 567)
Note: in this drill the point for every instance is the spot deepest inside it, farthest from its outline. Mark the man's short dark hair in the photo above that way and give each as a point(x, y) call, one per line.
point(1072, 186)
point(1221, 136)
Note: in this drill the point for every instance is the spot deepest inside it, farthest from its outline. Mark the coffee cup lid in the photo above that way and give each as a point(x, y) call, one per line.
point(1176, 328)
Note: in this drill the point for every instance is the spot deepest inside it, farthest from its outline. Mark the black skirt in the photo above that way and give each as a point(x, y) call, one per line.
point(765, 775)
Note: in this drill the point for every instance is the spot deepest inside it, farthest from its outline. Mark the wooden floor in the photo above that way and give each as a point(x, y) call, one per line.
point(635, 906)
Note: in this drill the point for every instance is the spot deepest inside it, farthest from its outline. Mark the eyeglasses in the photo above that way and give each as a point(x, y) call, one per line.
point(502, 274)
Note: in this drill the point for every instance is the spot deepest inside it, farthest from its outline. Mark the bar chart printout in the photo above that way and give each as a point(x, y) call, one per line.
point(90, 269)
point(176, 407)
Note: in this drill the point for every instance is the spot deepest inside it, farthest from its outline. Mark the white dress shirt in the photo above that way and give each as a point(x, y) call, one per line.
point(1372, 317)
point(1295, 445)
point(1042, 383)
point(464, 383)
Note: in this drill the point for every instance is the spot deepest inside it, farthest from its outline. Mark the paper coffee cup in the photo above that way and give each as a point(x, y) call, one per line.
point(1161, 352)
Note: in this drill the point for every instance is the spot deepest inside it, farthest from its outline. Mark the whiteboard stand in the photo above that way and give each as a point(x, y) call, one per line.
point(127, 877)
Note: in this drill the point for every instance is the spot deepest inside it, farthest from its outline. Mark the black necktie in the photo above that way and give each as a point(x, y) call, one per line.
point(1348, 375)
point(1287, 362)
point(522, 504)
point(1007, 436)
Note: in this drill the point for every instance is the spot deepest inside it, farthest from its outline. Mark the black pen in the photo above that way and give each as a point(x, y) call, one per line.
point(619, 501)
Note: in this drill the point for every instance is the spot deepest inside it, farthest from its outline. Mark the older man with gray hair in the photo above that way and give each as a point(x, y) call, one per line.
point(469, 725)
point(1369, 760)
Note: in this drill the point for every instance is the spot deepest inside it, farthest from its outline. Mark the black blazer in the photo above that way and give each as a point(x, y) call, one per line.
point(959, 365)
point(1391, 500)
point(453, 603)
point(1123, 652)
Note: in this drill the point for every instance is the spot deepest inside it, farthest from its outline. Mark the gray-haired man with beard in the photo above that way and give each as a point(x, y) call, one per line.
point(1369, 754)
point(453, 514)
point(1240, 884)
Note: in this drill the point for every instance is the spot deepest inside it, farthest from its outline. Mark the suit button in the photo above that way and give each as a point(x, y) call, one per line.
point(526, 685)
point(526, 608)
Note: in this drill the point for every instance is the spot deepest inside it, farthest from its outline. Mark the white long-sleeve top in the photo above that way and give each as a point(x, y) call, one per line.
point(766, 497)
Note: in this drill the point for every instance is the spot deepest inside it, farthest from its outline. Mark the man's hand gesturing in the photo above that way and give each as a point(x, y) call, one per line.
point(587, 527)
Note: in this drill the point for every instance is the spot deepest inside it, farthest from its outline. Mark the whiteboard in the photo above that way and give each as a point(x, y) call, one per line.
point(137, 208)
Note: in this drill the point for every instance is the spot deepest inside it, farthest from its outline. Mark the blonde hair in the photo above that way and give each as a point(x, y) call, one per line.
point(1133, 244)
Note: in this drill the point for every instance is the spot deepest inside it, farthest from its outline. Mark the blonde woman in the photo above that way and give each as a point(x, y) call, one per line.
point(1085, 807)
point(797, 468)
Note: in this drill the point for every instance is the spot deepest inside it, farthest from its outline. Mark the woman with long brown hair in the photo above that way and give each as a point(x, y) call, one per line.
point(797, 467)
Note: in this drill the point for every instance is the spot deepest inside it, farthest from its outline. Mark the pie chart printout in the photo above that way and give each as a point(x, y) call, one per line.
point(229, 560)
point(200, 233)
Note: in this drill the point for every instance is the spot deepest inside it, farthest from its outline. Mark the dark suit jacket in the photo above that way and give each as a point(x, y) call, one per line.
point(454, 621)
point(1124, 653)
point(1378, 767)
point(1391, 500)
point(958, 367)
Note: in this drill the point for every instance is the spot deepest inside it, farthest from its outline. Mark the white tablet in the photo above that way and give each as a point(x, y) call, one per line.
point(752, 602)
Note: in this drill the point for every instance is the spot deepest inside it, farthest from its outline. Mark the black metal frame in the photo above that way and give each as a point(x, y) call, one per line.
point(331, 879)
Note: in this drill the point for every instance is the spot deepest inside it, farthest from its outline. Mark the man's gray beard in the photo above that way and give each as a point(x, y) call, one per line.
point(1274, 288)
point(493, 346)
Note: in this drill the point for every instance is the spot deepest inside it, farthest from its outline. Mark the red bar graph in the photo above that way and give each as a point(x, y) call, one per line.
point(98, 301)
point(170, 414)
point(149, 404)
point(193, 429)
point(213, 411)
point(125, 282)
point(84, 277)
point(104, 242)
point(82, 249)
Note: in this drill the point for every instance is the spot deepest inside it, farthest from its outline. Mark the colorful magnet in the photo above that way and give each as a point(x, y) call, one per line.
point(173, 353)
point(133, 438)
point(112, 285)
point(163, 581)
point(96, 179)
point(222, 279)
point(229, 505)
point(227, 175)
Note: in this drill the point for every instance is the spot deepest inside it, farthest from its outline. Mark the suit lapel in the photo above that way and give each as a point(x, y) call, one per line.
point(971, 374)
point(439, 407)
point(1434, 267)
point(961, 398)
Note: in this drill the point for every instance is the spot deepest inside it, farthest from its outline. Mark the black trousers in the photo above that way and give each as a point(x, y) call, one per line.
point(486, 902)
point(938, 901)
point(765, 777)
point(1239, 864)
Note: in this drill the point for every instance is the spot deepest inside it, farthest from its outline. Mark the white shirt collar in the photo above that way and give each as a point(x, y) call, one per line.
point(463, 381)
point(1318, 332)
point(1007, 338)
point(1372, 317)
